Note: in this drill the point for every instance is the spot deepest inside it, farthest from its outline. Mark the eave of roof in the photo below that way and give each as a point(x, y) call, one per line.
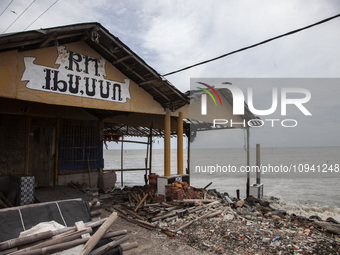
point(108, 46)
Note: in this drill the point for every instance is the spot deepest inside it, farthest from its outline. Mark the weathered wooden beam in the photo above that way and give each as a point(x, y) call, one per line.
point(121, 59)
point(141, 202)
point(109, 246)
point(98, 235)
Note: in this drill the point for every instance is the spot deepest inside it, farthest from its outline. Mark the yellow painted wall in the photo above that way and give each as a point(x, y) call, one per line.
point(12, 68)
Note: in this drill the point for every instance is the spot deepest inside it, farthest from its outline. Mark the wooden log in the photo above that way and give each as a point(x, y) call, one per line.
point(5, 200)
point(193, 201)
point(100, 232)
point(136, 222)
point(93, 224)
point(115, 233)
point(135, 197)
point(166, 204)
point(129, 246)
point(141, 202)
point(329, 227)
point(171, 218)
point(170, 214)
point(168, 232)
point(207, 186)
point(15, 242)
point(55, 248)
point(207, 215)
point(95, 213)
point(133, 214)
point(8, 251)
point(153, 205)
point(147, 223)
point(57, 234)
point(2, 204)
point(55, 241)
point(119, 210)
point(109, 246)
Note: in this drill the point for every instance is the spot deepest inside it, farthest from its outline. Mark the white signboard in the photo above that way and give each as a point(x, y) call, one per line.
point(77, 75)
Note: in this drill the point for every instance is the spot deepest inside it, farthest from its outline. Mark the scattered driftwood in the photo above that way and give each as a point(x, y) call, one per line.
point(120, 210)
point(141, 202)
point(129, 246)
point(329, 227)
point(207, 215)
point(207, 186)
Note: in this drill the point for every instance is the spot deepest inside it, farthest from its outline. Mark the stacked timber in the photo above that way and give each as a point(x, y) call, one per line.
point(69, 237)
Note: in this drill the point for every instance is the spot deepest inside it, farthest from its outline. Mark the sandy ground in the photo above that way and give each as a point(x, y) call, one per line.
point(150, 241)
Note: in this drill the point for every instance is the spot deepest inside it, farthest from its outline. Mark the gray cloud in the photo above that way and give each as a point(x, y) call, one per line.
point(173, 34)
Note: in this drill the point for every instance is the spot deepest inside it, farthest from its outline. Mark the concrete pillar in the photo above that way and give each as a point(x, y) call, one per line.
point(180, 143)
point(167, 144)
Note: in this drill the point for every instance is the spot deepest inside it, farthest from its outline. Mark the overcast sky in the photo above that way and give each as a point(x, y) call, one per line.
point(170, 35)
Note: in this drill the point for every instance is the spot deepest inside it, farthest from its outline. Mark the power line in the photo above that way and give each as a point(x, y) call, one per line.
point(6, 7)
point(19, 16)
point(41, 14)
point(254, 45)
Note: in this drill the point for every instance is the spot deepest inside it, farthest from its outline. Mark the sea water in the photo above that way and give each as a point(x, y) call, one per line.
point(310, 187)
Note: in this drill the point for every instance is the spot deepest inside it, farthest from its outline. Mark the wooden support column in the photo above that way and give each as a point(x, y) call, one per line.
point(258, 164)
point(122, 162)
point(167, 143)
point(56, 166)
point(100, 170)
point(27, 145)
point(180, 143)
point(150, 154)
point(248, 162)
point(188, 156)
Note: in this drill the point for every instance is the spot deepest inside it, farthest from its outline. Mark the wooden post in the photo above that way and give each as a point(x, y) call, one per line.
point(88, 169)
point(100, 170)
point(258, 163)
point(188, 156)
point(122, 162)
point(248, 162)
point(150, 155)
point(146, 161)
point(141, 202)
point(167, 144)
point(27, 145)
point(98, 235)
point(57, 153)
point(180, 144)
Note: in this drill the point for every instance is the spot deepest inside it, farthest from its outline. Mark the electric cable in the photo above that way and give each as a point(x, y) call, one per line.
point(255, 45)
point(19, 16)
point(41, 14)
point(6, 7)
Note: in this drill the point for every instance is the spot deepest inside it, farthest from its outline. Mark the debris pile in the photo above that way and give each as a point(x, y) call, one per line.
point(223, 225)
point(181, 190)
point(76, 240)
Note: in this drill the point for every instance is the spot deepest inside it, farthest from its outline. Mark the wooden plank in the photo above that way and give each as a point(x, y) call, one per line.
point(100, 232)
point(141, 202)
